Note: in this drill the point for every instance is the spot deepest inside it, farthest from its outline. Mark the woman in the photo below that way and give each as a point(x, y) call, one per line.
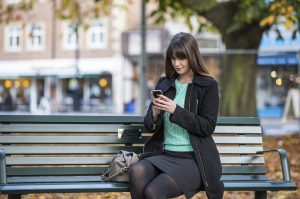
point(181, 156)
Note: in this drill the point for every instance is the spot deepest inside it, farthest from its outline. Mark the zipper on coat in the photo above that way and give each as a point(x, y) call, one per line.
point(202, 165)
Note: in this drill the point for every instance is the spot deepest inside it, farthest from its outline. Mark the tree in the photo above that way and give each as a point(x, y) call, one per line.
point(241, 25)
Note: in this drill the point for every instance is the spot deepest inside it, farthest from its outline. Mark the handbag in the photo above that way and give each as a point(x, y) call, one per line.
point(118, 167)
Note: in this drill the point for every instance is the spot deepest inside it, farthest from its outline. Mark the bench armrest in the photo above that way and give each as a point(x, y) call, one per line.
point(2, 167)
point(284, 162)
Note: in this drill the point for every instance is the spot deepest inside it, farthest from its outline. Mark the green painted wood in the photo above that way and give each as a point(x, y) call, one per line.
point(64, 188)
point(54, 171)
point(66, 171)
point(259, 186)
point(71, 119)
point(95, 160)
point(109, 119)
point(58, 160)
point(238, 170)
point(32, 150)
point(68, 140)
point(97, 178)
point(111, 140)
point(74, 128)
point(238, 121)
point(62, 179)
point(79, 128)
point(244, 177)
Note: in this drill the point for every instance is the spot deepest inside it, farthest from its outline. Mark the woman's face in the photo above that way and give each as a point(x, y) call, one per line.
point(180, 65)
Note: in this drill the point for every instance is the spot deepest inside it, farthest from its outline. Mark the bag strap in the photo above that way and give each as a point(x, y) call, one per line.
point(122, 170)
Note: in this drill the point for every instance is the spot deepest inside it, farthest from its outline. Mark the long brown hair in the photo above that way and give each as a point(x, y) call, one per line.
point(184, 46)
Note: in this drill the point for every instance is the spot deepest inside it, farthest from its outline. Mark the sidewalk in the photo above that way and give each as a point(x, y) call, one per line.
point(277, 127)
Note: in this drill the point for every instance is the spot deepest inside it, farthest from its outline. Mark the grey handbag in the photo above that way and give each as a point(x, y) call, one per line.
point(118, 167)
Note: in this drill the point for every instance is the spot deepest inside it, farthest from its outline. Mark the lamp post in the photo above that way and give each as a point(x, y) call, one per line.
point(142, 62)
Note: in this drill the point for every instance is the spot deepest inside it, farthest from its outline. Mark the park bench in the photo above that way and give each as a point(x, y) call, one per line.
point(67, 154)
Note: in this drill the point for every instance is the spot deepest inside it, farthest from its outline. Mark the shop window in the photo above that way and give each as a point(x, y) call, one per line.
point(101, 89)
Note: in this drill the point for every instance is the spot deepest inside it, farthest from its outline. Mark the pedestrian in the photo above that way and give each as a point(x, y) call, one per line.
point(181, 156)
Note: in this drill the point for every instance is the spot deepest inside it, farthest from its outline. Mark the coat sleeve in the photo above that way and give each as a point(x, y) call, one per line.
point(149, 123)
point(202, 124)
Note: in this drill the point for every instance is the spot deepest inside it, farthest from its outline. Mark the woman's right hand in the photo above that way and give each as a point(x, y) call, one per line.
point(155, 110)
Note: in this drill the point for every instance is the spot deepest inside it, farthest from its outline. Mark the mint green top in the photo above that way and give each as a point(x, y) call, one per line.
point(176, 138)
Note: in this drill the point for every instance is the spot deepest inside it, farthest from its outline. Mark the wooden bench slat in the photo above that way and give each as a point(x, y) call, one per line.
point(243, 177)
point(90, 160)
point(77, 128)
point(111, 139)
point(237, 140)
point(97, 178)
point(108, 149)
point(68, 140)
point(58, 160)
point(238, 129)
point(242, 160)
point(64, 171)
point(29, 150)
point(243, 170)
point(63, 179)
point(55, 171)
point(66, 128)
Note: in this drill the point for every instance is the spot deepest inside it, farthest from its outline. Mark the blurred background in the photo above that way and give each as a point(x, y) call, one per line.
point(105, 56)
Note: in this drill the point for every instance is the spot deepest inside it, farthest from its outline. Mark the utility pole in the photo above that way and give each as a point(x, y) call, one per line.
point(142, 63)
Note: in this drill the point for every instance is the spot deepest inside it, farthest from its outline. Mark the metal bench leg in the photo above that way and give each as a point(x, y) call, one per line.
point(260, 194)
point(14, 196)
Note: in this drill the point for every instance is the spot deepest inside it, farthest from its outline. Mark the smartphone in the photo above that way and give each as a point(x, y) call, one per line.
point(156, 93)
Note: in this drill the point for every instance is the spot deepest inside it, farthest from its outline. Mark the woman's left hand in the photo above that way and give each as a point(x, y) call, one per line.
point(165, 104)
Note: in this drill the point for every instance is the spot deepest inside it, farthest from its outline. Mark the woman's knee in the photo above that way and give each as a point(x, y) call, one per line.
point(153, 191)
point(136, 170)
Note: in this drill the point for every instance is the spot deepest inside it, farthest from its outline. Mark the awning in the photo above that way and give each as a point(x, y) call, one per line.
point(58, 67)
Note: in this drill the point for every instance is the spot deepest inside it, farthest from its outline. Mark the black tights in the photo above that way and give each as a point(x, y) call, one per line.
point(147, 181)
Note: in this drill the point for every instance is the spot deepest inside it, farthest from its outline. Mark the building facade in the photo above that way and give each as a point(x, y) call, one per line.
point(44, 68)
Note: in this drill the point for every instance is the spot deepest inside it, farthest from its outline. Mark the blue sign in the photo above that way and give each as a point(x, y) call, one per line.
point(279, 59)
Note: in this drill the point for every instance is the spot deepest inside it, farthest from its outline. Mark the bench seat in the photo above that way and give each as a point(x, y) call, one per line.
point(68, 154)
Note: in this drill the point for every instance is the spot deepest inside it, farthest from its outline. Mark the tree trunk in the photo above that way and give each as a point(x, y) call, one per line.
point(238, 85)
point(238, 81)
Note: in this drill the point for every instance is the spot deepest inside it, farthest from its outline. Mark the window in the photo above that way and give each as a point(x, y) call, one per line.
point(11, 2)
point(13, 38)
point(36, 40)
point(96, 36)
point(70, 37)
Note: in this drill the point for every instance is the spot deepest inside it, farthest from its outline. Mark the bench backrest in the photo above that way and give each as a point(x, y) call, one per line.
point(64, 146)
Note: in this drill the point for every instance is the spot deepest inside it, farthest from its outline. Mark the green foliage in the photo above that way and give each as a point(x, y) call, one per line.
point(240, 14)
point(72, 10)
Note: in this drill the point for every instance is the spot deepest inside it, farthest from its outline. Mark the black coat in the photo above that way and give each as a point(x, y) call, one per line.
point(198, 117)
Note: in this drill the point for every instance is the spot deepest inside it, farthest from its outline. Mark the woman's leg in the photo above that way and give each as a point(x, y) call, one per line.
point(140, 174)
point(162, 187)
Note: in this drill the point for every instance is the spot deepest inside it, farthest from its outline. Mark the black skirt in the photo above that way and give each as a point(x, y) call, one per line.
point(182, 167)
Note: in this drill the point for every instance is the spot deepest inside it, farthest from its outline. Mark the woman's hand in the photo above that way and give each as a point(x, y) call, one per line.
point(164, 103)
point(155, 110)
